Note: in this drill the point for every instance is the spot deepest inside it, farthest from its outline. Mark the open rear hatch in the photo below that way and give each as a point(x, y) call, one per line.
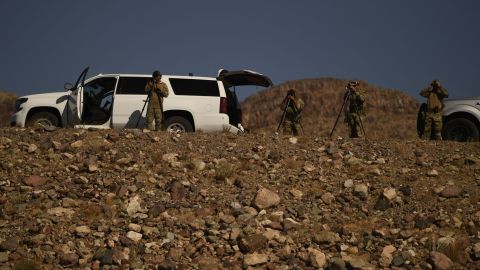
point(230, 80)
point(243, 77)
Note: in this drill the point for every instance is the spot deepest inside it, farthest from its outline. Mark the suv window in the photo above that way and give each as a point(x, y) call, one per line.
point(132, 85)
point(191, 87)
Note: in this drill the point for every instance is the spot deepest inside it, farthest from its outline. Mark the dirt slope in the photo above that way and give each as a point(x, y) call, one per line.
point(390, 113)
point(77, 199)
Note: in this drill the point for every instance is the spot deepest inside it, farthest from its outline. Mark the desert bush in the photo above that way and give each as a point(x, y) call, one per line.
point(90, 212)
point(26, 264)
point(457, 250)
point(224, 170)
point(293, 164)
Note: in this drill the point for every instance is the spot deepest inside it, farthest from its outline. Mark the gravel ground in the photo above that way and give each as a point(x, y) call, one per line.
point(144, 200)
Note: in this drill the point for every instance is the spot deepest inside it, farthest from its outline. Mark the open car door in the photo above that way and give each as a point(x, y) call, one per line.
point(75, 100)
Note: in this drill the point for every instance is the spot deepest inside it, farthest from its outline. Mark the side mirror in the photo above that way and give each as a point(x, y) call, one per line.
point(68, 86)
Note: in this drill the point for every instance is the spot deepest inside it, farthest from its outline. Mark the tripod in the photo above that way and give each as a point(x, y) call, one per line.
point(284, 114)
point(349, 93)
point(143, 109)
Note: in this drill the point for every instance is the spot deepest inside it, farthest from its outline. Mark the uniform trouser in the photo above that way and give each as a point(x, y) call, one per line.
point(292, 127)
point(433, 126)
point(154, 113)
point(353, 121)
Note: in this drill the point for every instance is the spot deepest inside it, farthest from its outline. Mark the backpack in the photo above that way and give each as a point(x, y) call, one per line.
point(422, 112)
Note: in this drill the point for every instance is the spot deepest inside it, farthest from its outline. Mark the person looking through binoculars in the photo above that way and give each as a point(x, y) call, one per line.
point(157, 91)
point(292, 108)
point(435, 94)
point(354, 110)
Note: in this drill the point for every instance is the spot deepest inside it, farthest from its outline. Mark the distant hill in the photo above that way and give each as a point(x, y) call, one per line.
point(7, 106)
point(390, 113)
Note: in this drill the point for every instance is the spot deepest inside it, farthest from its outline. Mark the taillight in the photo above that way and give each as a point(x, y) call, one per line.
point(223, 105)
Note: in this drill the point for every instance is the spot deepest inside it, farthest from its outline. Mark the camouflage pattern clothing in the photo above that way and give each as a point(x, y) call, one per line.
point(354, 111)
point(435, 94)
point(157, 92)
point(291, 124)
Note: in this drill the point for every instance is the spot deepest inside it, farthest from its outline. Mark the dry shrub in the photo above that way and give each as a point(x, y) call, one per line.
point(401, 151)
point(90, 211)
point(7, 107)
point(97, 146)
point(245, 165)
point(26, 264)
point(293, 164)
point(17, 198)
point(112, 206)
point(156, 157)
point(224, 170)
point(186, 217)
point(457, 250)
point(303, 140)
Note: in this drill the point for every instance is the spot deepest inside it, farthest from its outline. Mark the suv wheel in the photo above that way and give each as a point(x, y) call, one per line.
point(461, 130)
point(45, 119)
point(178, 124)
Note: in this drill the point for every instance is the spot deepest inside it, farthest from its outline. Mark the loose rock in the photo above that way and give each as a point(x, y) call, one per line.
point(440, 261)
point(317, 258)
point(255, 259)
point(451, 192)
point(361, 190)
point(34, 181)
point(326, 237)
point(134, 236)
point(266, 199)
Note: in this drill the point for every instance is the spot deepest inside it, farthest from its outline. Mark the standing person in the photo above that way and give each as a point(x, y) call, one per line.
point(291, 124)
point(156, 90)
point(435, 94)
point(354, 109)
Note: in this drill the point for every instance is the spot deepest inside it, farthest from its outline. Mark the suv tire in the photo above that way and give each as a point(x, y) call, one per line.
point(43, 118)
point(462, 130)
point(178, 124)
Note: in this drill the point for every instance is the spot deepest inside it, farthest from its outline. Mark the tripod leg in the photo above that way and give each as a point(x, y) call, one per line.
point(301, 127)
point(361, 125)
point(340, 113)
point(143, 109)
point(282, 120)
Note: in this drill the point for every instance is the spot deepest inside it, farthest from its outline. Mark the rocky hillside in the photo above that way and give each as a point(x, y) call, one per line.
point(390, 113)
point(7, 105)
point(135, 200)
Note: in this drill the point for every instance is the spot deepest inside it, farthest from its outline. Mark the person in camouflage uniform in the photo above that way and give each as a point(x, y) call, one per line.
point(354, 109)
point(291, 124)
point(157, 90)
point(435, 94)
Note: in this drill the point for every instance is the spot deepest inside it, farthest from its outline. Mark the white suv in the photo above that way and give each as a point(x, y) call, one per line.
point(461, 119)
point(116, 101)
